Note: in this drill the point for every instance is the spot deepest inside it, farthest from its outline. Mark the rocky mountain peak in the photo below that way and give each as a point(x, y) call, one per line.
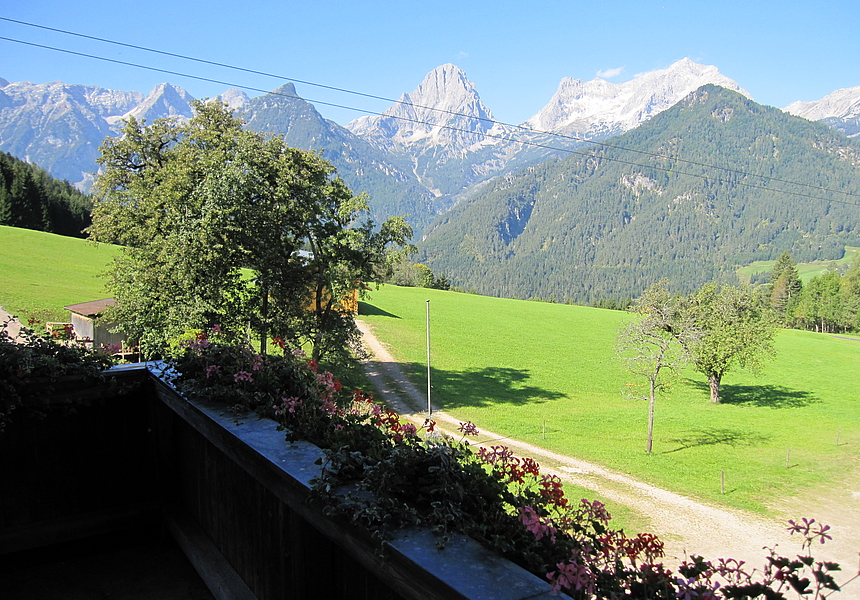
point(840, 110)
point(234, 98)
point(445, 108)
point(165, 100)
point(841, 104)
point(599, 108)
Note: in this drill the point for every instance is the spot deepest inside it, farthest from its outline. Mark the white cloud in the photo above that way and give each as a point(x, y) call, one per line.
point(461, 55)
point(610, 73)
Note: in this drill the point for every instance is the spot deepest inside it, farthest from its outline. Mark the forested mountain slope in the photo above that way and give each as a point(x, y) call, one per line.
point(392, 187)
point(30, 198)
point(610, 220)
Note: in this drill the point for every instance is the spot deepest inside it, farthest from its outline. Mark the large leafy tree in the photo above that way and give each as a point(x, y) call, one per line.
point(735, 328)
point(224, 226)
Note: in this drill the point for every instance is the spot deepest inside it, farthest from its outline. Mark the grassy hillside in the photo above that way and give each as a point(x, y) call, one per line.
point(42, 272)
point(512, 365)
point(806, 271)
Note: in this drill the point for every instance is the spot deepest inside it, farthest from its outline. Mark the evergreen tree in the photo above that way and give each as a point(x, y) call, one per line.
point(785, 285)
point(27, 202)
point(5, 202)
point(31, 198)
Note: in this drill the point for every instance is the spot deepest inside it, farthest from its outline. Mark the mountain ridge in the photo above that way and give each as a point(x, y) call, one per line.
point(839, 109)
point(426, 153)
point(611, 221)
point(590, 107)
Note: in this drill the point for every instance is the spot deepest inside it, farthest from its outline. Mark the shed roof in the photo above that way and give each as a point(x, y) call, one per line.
point(91, 309)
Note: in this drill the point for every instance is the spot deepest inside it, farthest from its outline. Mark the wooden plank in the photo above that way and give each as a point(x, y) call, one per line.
point(215, 571)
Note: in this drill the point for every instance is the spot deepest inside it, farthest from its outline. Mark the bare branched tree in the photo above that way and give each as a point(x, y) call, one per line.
point(656, 344)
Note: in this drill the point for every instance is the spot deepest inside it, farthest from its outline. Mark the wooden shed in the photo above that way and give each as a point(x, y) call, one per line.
point(88, 324)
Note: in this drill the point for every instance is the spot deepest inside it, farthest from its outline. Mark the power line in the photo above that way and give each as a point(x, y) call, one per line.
point(506, 137)
point(203, 61)
point(400, 102)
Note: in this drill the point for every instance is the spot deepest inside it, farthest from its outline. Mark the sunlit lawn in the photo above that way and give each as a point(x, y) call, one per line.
point(512, 366)
point(42, 272)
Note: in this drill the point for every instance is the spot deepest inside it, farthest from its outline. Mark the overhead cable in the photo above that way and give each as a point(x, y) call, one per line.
point(500, 137)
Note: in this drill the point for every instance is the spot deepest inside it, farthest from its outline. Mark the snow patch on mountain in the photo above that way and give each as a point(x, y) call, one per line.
point(24, 97)
point(233, 98)
point(598, 108)
point(165, 100)
point(841, 104)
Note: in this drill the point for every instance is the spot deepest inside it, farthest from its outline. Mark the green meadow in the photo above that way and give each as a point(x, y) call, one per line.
point(545, 373)
point(40, 273)
point(805, 271)
point(520, 368)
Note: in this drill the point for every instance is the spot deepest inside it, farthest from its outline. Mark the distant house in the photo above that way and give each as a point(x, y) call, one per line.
point(348, 304)
point(88, 325)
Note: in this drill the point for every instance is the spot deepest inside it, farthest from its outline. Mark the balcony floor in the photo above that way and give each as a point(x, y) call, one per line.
point(134, 565)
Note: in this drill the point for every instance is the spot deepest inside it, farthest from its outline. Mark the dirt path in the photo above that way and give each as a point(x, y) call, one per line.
point(687, 526)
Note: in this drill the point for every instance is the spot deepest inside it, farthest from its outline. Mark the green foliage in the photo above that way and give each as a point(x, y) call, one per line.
point(409, 274)
point(210, 366)
point(34, 367)
point(828, 303)
point(32, 199)
point(595, 226)
point(733, 328)
point(196, 204)
point(654, 346)
point(614, 304)
point(785, 285)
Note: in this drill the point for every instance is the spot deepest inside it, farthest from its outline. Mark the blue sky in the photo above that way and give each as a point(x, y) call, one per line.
point(515, 52)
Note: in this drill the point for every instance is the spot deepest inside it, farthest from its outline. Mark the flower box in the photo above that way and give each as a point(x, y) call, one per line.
point(248, 491)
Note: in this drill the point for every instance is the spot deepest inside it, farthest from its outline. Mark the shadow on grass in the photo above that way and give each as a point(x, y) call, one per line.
point(480, 387)
point(713, 436)
point(369, 309)
point(765, 396)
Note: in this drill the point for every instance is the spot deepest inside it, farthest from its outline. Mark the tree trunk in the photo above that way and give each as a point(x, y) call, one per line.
point(714, 383)
point(264, 328)
point(651, 417)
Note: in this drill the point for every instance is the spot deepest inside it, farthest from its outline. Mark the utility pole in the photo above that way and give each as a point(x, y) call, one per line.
point(429, 407)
